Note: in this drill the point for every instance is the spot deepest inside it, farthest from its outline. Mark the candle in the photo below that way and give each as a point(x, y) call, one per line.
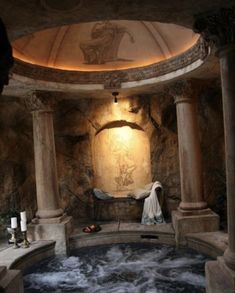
point(23, 216)
point(14, 223)
point(23, 226)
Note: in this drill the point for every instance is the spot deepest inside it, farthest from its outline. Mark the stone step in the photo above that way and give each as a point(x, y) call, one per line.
point(3, 271)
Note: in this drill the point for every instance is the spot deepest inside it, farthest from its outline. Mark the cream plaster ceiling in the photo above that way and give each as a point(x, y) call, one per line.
point(23, 17)
point(104, 45)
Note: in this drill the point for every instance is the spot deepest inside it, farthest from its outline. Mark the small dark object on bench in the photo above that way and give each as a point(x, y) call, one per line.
point(91, 228)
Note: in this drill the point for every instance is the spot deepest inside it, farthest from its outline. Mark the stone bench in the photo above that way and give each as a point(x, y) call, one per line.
point(120, 208)
point(115, 209)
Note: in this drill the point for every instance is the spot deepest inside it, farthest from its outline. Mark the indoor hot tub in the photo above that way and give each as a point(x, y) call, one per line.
point(120, 268)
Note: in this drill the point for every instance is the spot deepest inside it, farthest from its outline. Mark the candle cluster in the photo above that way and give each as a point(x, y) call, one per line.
point(23, 222)
point(23, 228)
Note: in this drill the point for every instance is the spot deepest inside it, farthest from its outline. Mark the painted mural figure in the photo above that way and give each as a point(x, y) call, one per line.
point(125, 166)
point(105, 40)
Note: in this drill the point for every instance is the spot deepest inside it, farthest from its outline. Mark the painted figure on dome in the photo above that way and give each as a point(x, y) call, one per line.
point(105, 40)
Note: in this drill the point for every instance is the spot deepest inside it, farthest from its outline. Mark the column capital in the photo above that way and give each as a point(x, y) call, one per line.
point(217, 27)
point(181, 91)
point(40, 101)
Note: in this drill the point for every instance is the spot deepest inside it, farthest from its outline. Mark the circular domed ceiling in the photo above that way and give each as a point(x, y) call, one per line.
point(106, 45)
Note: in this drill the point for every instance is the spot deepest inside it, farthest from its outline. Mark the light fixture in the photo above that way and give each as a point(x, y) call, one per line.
point(115, 94)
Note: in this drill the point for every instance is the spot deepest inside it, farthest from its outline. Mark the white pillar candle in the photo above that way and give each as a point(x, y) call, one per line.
point(23, 216)
point(14, 223)
point(23, 226)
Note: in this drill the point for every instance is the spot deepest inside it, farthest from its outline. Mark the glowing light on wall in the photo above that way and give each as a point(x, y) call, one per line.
point(121, 160)
point(124, 134)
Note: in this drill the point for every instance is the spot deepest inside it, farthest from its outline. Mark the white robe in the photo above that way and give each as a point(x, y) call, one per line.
point(152, 213)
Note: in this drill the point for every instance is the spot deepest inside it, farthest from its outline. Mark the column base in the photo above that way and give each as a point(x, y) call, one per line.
point(55, 220)
point(193, 222)
point(229, 258)
point(49, 214)
point(192, 206)
point(57, 231)
point(219, 277)
point(201, 212)
point(11, 281)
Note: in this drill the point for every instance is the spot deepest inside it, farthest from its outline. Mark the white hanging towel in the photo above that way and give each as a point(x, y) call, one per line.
point(152, 213)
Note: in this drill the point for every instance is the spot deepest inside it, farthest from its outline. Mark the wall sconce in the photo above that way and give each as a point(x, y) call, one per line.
point(115, 94)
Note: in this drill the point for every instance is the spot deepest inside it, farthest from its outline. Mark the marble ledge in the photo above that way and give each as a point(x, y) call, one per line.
point(22, 258)
point(122, 232)
point(210, 243)
point(125, 227)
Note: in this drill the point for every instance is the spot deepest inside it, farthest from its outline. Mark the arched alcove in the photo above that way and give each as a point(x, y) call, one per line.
point(121, 153)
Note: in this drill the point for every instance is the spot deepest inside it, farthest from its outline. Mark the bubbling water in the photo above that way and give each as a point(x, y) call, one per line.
point(124, 268)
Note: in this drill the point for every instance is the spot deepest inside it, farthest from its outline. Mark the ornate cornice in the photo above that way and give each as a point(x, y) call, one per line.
point(39, 101)
point(217, 27)
point(113, 79)
point(182, 91)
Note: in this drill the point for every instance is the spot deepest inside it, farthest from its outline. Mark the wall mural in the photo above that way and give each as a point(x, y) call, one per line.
point(121, 160)
point(104, 43)
point(125, 164)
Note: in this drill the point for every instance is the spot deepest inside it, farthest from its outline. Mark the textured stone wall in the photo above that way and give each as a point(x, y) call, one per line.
point(164, 149)
point(76, 123)
point(212, 144)
point(17, 188)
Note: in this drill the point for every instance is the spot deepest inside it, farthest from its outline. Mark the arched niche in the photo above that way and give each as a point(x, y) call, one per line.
point(121, 156)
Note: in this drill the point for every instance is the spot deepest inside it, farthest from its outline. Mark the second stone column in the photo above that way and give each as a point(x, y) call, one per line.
point(192, 215)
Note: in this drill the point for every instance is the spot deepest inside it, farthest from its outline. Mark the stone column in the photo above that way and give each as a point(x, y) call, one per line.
point(227, 67)
point(50, 223)
point(218, 28)
point(192, 215)
point(189, 148)
point(45, 158)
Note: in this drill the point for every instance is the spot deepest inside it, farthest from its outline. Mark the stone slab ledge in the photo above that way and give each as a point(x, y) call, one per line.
point(23, 258)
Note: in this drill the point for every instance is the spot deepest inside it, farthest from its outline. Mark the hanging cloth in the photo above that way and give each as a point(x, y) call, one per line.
point(152, 212)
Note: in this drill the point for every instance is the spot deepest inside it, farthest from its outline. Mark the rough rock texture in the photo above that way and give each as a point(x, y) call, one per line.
point(77, 121)
point(74, 163)
point(210, 117)
point(164, 149)
point(17, 187)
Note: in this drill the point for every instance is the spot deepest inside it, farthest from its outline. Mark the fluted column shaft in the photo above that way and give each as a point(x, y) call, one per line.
point(189, 148)
point(45, 158)
point(189, 155)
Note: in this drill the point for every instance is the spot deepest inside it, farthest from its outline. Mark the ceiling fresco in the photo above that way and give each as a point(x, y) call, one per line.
point(104, 45)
